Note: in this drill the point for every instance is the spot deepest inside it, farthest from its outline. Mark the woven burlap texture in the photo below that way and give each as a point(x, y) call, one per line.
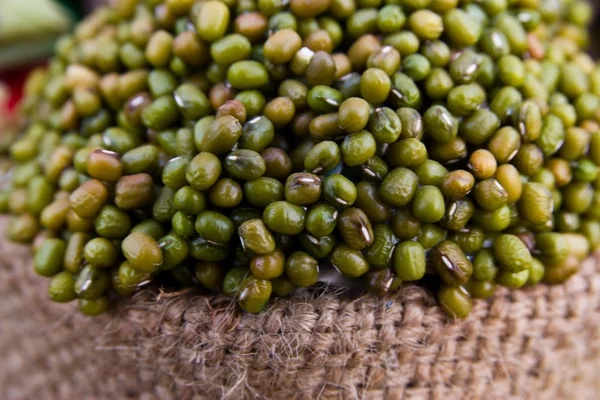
point(537, 343)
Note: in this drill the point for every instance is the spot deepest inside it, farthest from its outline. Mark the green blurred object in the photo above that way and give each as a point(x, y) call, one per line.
point(28, 29)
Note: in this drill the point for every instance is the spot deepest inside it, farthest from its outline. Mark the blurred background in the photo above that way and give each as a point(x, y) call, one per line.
point(28, 31)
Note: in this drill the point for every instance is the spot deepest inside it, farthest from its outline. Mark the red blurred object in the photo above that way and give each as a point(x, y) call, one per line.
point(14, 80)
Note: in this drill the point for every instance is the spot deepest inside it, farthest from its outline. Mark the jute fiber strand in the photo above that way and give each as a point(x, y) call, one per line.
point(541, 343)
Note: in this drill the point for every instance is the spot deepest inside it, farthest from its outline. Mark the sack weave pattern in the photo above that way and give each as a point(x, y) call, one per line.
point(542, 343)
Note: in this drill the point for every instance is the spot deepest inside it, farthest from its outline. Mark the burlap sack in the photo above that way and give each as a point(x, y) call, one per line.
point(537, 343)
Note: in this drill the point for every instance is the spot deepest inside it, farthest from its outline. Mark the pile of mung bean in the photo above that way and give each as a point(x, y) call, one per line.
point(242, 146)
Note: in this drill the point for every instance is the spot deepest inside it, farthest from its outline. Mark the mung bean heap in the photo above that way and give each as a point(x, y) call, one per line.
point(242, 146)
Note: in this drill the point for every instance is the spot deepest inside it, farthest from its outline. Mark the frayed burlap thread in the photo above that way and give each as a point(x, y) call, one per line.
point(539, 343)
